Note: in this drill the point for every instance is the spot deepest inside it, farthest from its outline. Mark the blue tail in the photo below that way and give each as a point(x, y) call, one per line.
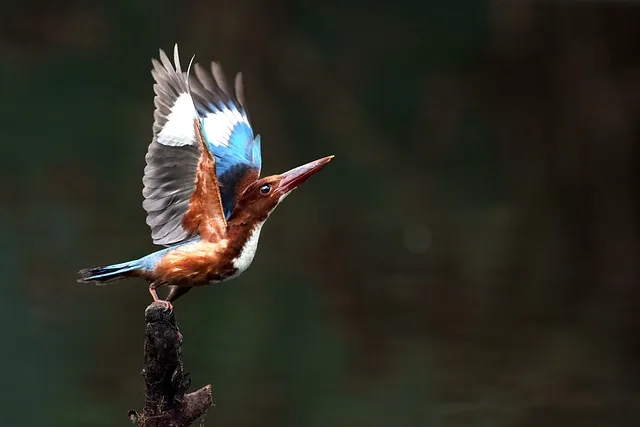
point(110, 273)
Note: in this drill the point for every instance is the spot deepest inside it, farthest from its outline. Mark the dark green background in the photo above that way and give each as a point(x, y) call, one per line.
point(469, 258)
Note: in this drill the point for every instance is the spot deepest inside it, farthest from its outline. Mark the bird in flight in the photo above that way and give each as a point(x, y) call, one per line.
point(204, 198)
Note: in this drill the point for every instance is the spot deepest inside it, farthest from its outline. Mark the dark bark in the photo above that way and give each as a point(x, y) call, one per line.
point(166, 404)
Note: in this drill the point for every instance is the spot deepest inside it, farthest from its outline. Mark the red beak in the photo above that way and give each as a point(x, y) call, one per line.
point(293, 178)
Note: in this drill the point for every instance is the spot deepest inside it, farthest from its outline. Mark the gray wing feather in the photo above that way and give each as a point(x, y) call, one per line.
point(173, 155)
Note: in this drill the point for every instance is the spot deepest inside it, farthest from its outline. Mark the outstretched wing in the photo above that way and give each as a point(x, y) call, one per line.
point(181, 194)
point(227, 131)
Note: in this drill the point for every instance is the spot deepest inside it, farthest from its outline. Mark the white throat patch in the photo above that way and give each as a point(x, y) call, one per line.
point(244, 259)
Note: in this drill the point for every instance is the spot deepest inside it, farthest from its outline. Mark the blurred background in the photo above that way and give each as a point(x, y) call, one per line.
point(469, 258)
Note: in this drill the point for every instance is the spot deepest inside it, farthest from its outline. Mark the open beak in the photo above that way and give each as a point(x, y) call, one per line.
point(293, 178)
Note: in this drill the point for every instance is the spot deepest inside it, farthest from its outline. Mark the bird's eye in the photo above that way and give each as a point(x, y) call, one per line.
point(265, 189)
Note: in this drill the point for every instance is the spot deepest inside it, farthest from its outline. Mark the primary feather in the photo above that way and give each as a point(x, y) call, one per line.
point(173, 155)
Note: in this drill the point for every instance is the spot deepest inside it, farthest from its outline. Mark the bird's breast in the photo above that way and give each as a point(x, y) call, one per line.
point(204, 262)
point(244, 258)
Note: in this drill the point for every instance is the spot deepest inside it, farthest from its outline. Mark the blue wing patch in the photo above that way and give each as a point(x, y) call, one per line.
point(241, 136)
point(227, 130)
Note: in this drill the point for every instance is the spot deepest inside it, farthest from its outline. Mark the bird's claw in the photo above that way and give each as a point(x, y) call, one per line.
point(167, 305)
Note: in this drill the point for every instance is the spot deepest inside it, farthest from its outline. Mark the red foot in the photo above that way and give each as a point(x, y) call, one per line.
point(167, 305)
point(154, 295)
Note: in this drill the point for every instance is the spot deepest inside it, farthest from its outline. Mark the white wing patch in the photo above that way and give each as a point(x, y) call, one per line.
point(178, 130)
point(218, 126)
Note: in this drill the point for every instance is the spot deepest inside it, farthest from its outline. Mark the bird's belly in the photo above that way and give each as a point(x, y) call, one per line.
point(195, 264)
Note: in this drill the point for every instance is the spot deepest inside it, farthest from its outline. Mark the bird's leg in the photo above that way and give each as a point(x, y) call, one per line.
point(156, 298)
point(176, 292)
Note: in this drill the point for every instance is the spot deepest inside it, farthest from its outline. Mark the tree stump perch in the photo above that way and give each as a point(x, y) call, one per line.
point(166, 404)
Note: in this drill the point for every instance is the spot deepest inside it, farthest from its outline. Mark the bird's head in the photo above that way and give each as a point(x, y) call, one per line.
point(262, 196)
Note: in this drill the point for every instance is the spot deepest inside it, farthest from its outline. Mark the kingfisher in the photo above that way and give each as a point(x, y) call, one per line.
point(203, 195)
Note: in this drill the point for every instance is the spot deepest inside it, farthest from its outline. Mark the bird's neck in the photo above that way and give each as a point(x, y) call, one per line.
point(240, 229)
point(244, 219)
point(243, 236)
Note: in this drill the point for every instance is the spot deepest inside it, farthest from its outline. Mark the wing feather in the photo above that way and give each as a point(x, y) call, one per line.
point(172, 184)
point(227, 131)
point(205, 212)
